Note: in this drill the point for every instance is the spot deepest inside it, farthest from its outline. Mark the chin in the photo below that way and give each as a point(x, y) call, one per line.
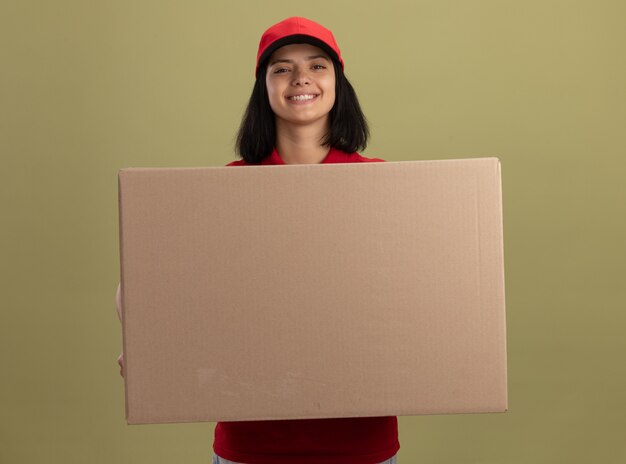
point(302, 120)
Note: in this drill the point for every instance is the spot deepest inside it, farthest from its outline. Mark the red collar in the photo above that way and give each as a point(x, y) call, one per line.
point(334, 156)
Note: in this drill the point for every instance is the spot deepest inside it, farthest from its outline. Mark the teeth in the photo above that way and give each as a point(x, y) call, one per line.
point(302, 97)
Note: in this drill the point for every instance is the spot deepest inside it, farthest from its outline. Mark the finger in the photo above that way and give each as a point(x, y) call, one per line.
point(118, 301)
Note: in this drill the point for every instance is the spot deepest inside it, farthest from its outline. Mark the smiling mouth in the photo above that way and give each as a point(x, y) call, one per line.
point(303, 97)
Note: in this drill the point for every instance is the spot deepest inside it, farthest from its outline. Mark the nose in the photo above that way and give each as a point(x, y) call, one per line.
point(301, 77)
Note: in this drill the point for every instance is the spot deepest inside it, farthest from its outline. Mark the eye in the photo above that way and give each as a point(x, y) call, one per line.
point(280, 70)
point(319, 66)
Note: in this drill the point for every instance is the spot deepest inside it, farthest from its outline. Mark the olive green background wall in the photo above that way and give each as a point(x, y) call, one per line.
point(87, 88)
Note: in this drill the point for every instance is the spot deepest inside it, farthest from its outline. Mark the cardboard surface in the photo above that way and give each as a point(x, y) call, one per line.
point(313, 291)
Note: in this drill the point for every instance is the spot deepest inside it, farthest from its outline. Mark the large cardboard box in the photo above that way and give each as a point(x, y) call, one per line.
point(312, 291)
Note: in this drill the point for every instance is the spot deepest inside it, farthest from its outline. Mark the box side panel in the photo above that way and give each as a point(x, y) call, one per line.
point(312, 291)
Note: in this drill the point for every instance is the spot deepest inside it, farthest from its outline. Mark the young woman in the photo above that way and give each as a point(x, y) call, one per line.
point(303, 110)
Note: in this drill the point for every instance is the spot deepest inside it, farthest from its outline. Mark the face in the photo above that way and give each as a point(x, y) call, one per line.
point(300, 83)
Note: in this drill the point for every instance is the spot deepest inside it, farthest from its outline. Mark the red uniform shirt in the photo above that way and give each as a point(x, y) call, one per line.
point(358, 440)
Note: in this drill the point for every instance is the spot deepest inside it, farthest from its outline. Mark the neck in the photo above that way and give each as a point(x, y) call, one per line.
point(301, 144)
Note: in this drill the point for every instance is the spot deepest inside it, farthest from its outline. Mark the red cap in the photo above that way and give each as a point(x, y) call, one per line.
point(296, 30)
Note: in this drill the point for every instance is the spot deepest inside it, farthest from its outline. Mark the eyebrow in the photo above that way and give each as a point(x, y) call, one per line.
point(308, 58)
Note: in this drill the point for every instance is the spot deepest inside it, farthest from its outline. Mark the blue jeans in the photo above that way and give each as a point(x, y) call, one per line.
point(218, 460)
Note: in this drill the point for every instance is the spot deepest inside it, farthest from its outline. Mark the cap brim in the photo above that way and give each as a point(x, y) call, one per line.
point(293, 39)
